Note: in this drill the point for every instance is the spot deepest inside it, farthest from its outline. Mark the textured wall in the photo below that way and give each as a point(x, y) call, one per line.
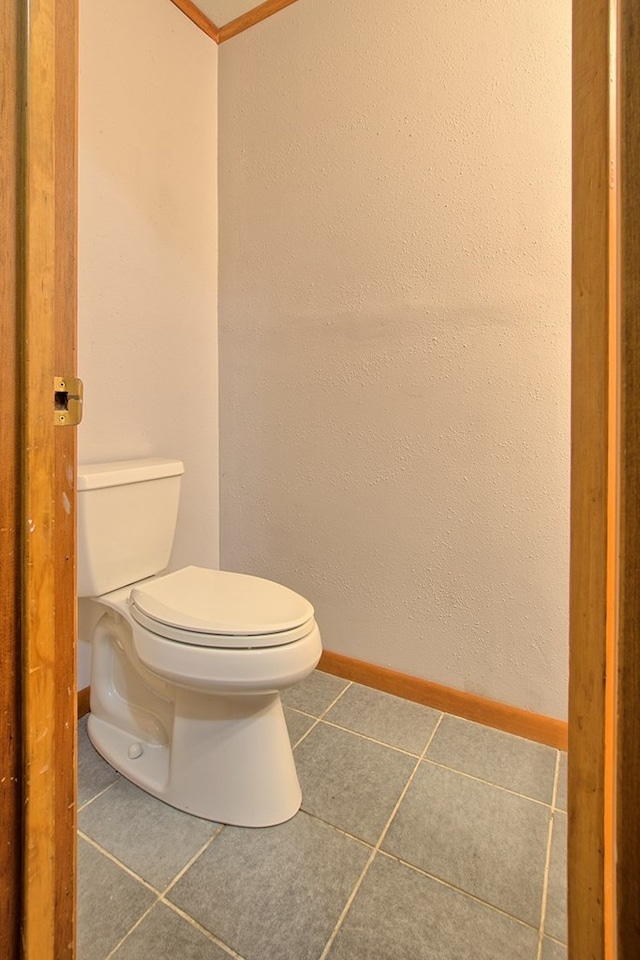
point(148, 251)
point(394, 331)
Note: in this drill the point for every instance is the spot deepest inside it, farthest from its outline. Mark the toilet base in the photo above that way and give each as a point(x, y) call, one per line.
point(228, 759)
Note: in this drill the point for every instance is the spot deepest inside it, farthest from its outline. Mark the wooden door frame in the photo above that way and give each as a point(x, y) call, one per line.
point(626, 766)
point(10, 674)
point(38, 469)
point(604, 678)
point(593, 425)
point(38, 608)
point(49, 73)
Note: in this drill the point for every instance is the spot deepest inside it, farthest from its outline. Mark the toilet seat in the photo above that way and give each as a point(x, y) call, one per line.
point(216, 608)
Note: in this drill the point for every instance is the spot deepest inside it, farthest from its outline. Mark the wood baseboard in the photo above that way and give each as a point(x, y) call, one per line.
point(83, 701)
point(491, 713)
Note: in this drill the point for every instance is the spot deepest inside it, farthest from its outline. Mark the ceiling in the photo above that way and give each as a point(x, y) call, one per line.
point(221, 12)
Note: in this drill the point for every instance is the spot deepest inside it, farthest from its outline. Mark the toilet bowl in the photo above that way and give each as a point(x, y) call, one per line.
point(187, 667)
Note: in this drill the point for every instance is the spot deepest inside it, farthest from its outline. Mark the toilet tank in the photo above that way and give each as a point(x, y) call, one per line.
point(127, 515)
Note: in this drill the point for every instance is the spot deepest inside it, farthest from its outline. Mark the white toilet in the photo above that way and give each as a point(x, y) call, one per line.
point(187, 668)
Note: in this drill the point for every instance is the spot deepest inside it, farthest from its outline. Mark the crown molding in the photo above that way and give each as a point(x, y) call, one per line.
point(251, 17)
point(196, 16)
point(234, 27)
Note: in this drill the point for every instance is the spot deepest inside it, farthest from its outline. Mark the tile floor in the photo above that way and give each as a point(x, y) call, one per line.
point(421, 837)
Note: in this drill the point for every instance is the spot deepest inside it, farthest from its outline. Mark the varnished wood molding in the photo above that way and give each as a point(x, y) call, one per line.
point(11, 733)
point(83, 701)
point(591, 610)
point(47, 54)
point(627, 757)
point(234, 27)
point(491, 713)
point(251, 17)
point(197, 16)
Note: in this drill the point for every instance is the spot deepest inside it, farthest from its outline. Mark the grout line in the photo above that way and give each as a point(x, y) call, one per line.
point(136, 876)
point(100, 793)
point(547, 863)
point(407, 753)
point(555, 940)
point(421, 757)
point(303, 712)
point(347, 905)
point(425, 873)
point(160, 896)
point(119, 863)
point(323, 714)
point(556, 808)
point(193, 859)
point(349, 683)
point(375, 850)
point(364, 736)
point(460, 890)
point(489, 783)
point(136, 924)
point(345, 833)
point(300, 739)
point(207, 933)
point(333, 702)
point(305, 734)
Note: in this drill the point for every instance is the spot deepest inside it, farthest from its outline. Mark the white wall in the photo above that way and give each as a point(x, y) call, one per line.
point(394, 324)
point(148, 254)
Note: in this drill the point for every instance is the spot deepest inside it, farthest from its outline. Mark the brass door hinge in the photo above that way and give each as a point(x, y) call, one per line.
point(67, 401)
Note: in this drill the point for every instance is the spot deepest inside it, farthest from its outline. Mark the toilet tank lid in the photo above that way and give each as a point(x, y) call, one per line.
point(93, 476)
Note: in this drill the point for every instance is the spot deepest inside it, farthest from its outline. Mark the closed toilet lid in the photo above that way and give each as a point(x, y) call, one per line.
point(232, 609)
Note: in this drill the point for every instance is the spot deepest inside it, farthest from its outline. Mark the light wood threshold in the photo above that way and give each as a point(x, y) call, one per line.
point(84, 702)
point(196, 16)
point(490, 713)
point(251, 17)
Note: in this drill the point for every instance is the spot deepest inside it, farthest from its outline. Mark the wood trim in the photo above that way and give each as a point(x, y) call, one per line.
point(491, 713)
point(10, 639)
point(196, 16)
point(251, 17)
point(38, 606)
point(84, 701)
point(48, 53)
point(612, 603)
point(65, 471)
point(234, 27)
point(628, 650)
point(592, 579)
